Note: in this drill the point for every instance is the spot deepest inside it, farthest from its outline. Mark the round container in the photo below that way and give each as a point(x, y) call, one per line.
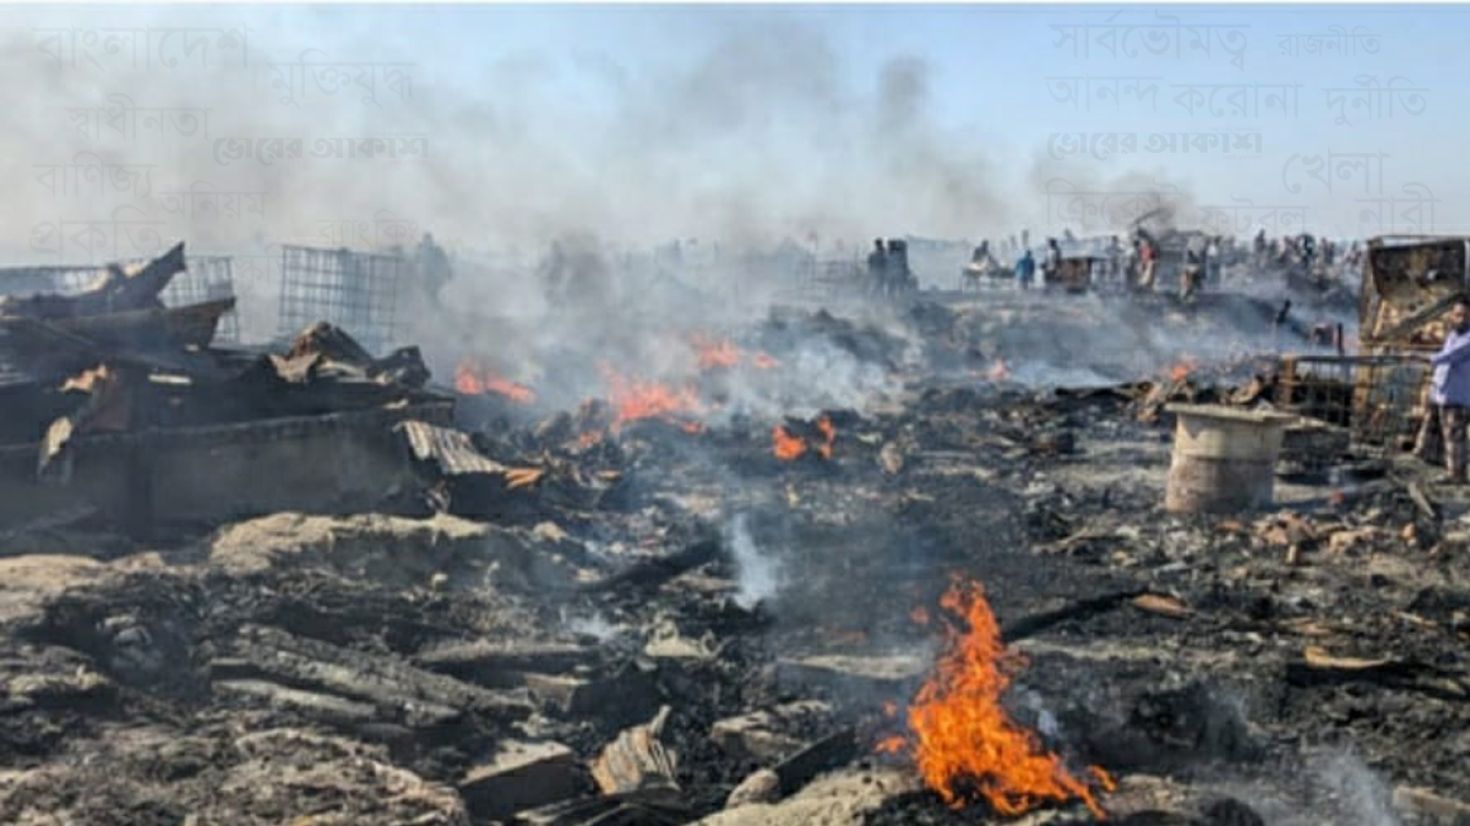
point(1224, 459)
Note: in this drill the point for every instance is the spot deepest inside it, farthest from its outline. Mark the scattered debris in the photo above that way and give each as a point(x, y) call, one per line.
point(637, 762)
point(521, 776)
point(534, 620)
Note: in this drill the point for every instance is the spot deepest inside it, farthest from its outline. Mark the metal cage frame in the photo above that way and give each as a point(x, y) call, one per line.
point(356, 291)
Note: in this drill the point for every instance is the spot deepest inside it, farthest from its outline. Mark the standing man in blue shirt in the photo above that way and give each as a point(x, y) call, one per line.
point(1449, 396)
point(1025, 270)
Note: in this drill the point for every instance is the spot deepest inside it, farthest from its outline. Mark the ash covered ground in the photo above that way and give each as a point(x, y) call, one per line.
point(669, 608)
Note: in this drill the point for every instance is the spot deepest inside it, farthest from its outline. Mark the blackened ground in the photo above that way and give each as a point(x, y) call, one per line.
point(160, 683)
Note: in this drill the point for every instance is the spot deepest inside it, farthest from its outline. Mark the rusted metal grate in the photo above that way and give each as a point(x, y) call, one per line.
point(1378, 399)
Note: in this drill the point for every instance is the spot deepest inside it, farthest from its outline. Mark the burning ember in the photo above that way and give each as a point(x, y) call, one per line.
point(715, 354)
point(1182, 369)
point(964, 743)
point(829, 435)
point(473, 379)
point(788, 446)
point(633, 399)
point(724, 355)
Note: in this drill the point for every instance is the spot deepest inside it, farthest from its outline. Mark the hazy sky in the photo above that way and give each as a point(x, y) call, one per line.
point(642, 124)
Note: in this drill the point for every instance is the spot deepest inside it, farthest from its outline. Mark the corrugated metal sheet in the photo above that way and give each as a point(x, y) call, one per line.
point(450, 449)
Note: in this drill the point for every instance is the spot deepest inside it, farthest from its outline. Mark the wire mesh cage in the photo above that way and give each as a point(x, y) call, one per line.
point(356, 291)
point(1377, 399)
point(57, 278)
point(206, 278)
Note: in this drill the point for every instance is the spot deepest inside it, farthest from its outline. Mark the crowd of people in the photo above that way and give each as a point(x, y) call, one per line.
point(1191, 260)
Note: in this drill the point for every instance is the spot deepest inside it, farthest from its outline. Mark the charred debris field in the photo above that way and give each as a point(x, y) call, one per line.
point(960, 600)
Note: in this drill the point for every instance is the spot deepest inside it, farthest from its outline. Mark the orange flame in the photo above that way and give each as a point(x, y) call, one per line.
point(472, 379)
point(829, 436)
point(999, 371)
point(633, 399)
point(715, 354)
point(764, 361)
point(964, 743)
point(1182, 369)
point(786, 446)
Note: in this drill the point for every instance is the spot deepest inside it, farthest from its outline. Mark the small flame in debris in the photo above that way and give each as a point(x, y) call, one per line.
point(473, 379)
point(786, 446)
point(999, 371)
point(1104, 780)
point(633, 399)
point(964, 742)
point(829, 436)
point(1182, 369)
point(920, 615)
point(764, 361)
point(890, 708)
point(715, 354)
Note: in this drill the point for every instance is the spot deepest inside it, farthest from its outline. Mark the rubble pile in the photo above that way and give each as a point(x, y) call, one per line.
point(120, 408)
point(582, 619)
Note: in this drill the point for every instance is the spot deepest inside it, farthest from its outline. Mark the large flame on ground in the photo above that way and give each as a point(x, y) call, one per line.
point(474, 379)
point(633, 399)
point(964, 743)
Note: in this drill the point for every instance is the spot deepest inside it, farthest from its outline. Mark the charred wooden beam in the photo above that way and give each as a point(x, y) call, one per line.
point(828, 753)
point(1033, 624)
point(521, 775)
point(503, 662)
point(655, 572)
point(1316, 667)
point(387, 681)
